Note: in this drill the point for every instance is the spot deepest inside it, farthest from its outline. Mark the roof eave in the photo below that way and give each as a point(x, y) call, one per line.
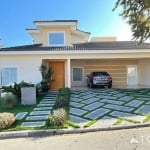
point(55, 23)
point(32, 30)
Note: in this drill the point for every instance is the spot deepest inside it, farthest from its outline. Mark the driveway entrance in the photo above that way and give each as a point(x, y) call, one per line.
point(98, 104)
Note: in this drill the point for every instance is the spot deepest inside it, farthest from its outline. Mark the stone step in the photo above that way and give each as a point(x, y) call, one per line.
point(40, 113)
point(42, 108)
point(47, 102)
point(20, 115)
point(33, 124)
point(37, 118)
point(44, 105)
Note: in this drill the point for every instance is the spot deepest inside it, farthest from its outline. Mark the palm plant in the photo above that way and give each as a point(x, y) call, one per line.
point(46, 73)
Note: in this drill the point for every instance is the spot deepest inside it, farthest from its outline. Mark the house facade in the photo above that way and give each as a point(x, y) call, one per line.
point(72, 55)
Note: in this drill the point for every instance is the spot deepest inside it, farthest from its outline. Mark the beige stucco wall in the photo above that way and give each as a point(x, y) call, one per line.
point(27, 67)
point(115, 64)
point(36, 38)
point(103, 39)
point(70, 38)
point(46, 30)
point(77, 39)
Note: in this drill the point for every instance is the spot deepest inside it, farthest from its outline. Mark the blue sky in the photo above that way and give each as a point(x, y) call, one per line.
point(93, 16)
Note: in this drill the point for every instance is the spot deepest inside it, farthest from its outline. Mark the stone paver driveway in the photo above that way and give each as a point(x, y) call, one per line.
point(93, 104)
point(90, 104)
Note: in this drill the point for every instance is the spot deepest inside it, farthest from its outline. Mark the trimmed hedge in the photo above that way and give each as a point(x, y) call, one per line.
point(59, 115)
point(63, 98)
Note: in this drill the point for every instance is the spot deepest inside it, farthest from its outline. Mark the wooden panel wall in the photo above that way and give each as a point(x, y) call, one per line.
point(116, 68)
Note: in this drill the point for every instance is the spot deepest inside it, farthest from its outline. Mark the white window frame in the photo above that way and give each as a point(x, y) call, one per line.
point(136, 73)
point(1, 69)
point(82, 73)
point(55, 45)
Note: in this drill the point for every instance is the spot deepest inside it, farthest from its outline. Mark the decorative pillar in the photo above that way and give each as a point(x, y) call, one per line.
point(68, 73)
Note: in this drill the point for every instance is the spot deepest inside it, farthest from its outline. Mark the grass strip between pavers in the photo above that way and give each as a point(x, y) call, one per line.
point(90, 123)
point(147, 119)
point(120, 120)
point(73, 124)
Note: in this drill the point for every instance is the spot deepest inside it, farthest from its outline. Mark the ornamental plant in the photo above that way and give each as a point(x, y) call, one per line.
point(58, 117)
point(6, 120)
point(46, 73)
point(8, 100)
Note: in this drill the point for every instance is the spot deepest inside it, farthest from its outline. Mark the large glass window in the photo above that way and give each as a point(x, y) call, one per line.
point(56, 39)
point(77, 74)
point(8, 75)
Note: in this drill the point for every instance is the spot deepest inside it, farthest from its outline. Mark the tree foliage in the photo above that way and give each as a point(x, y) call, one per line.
point(137, 14)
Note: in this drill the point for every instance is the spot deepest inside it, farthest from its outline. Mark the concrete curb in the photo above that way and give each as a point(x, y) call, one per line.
point(42, 133)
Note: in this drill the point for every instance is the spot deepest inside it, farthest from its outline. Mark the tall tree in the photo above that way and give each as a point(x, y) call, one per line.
point(137, 14)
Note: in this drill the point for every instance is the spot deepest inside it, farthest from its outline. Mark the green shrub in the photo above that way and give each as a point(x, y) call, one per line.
point(6, 120)
point(8, 100)
point(58, 117)
point(90, 123)
point(64, 92)
point(61, 101)
point(63, 97)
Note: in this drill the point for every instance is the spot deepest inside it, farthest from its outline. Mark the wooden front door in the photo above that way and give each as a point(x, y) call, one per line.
point(58, 75)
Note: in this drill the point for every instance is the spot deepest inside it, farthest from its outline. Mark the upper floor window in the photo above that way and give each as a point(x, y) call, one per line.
point(56, 38)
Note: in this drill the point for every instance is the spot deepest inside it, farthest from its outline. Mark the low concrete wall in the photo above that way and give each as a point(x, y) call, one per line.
point(28, 95)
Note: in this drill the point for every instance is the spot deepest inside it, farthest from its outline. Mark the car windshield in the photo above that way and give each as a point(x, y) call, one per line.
point(100, 73)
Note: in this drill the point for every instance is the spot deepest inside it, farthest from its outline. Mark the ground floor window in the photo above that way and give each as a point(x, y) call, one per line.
point(8, 75)
point(77, 74)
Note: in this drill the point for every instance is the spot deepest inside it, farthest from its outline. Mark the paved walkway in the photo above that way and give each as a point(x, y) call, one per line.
point(40, 113)
point(106, 105)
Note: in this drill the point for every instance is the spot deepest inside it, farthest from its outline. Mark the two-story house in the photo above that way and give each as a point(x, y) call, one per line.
point(73, 55)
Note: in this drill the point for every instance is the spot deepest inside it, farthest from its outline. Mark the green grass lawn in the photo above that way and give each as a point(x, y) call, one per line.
point(28, 108)
point(21, 108)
